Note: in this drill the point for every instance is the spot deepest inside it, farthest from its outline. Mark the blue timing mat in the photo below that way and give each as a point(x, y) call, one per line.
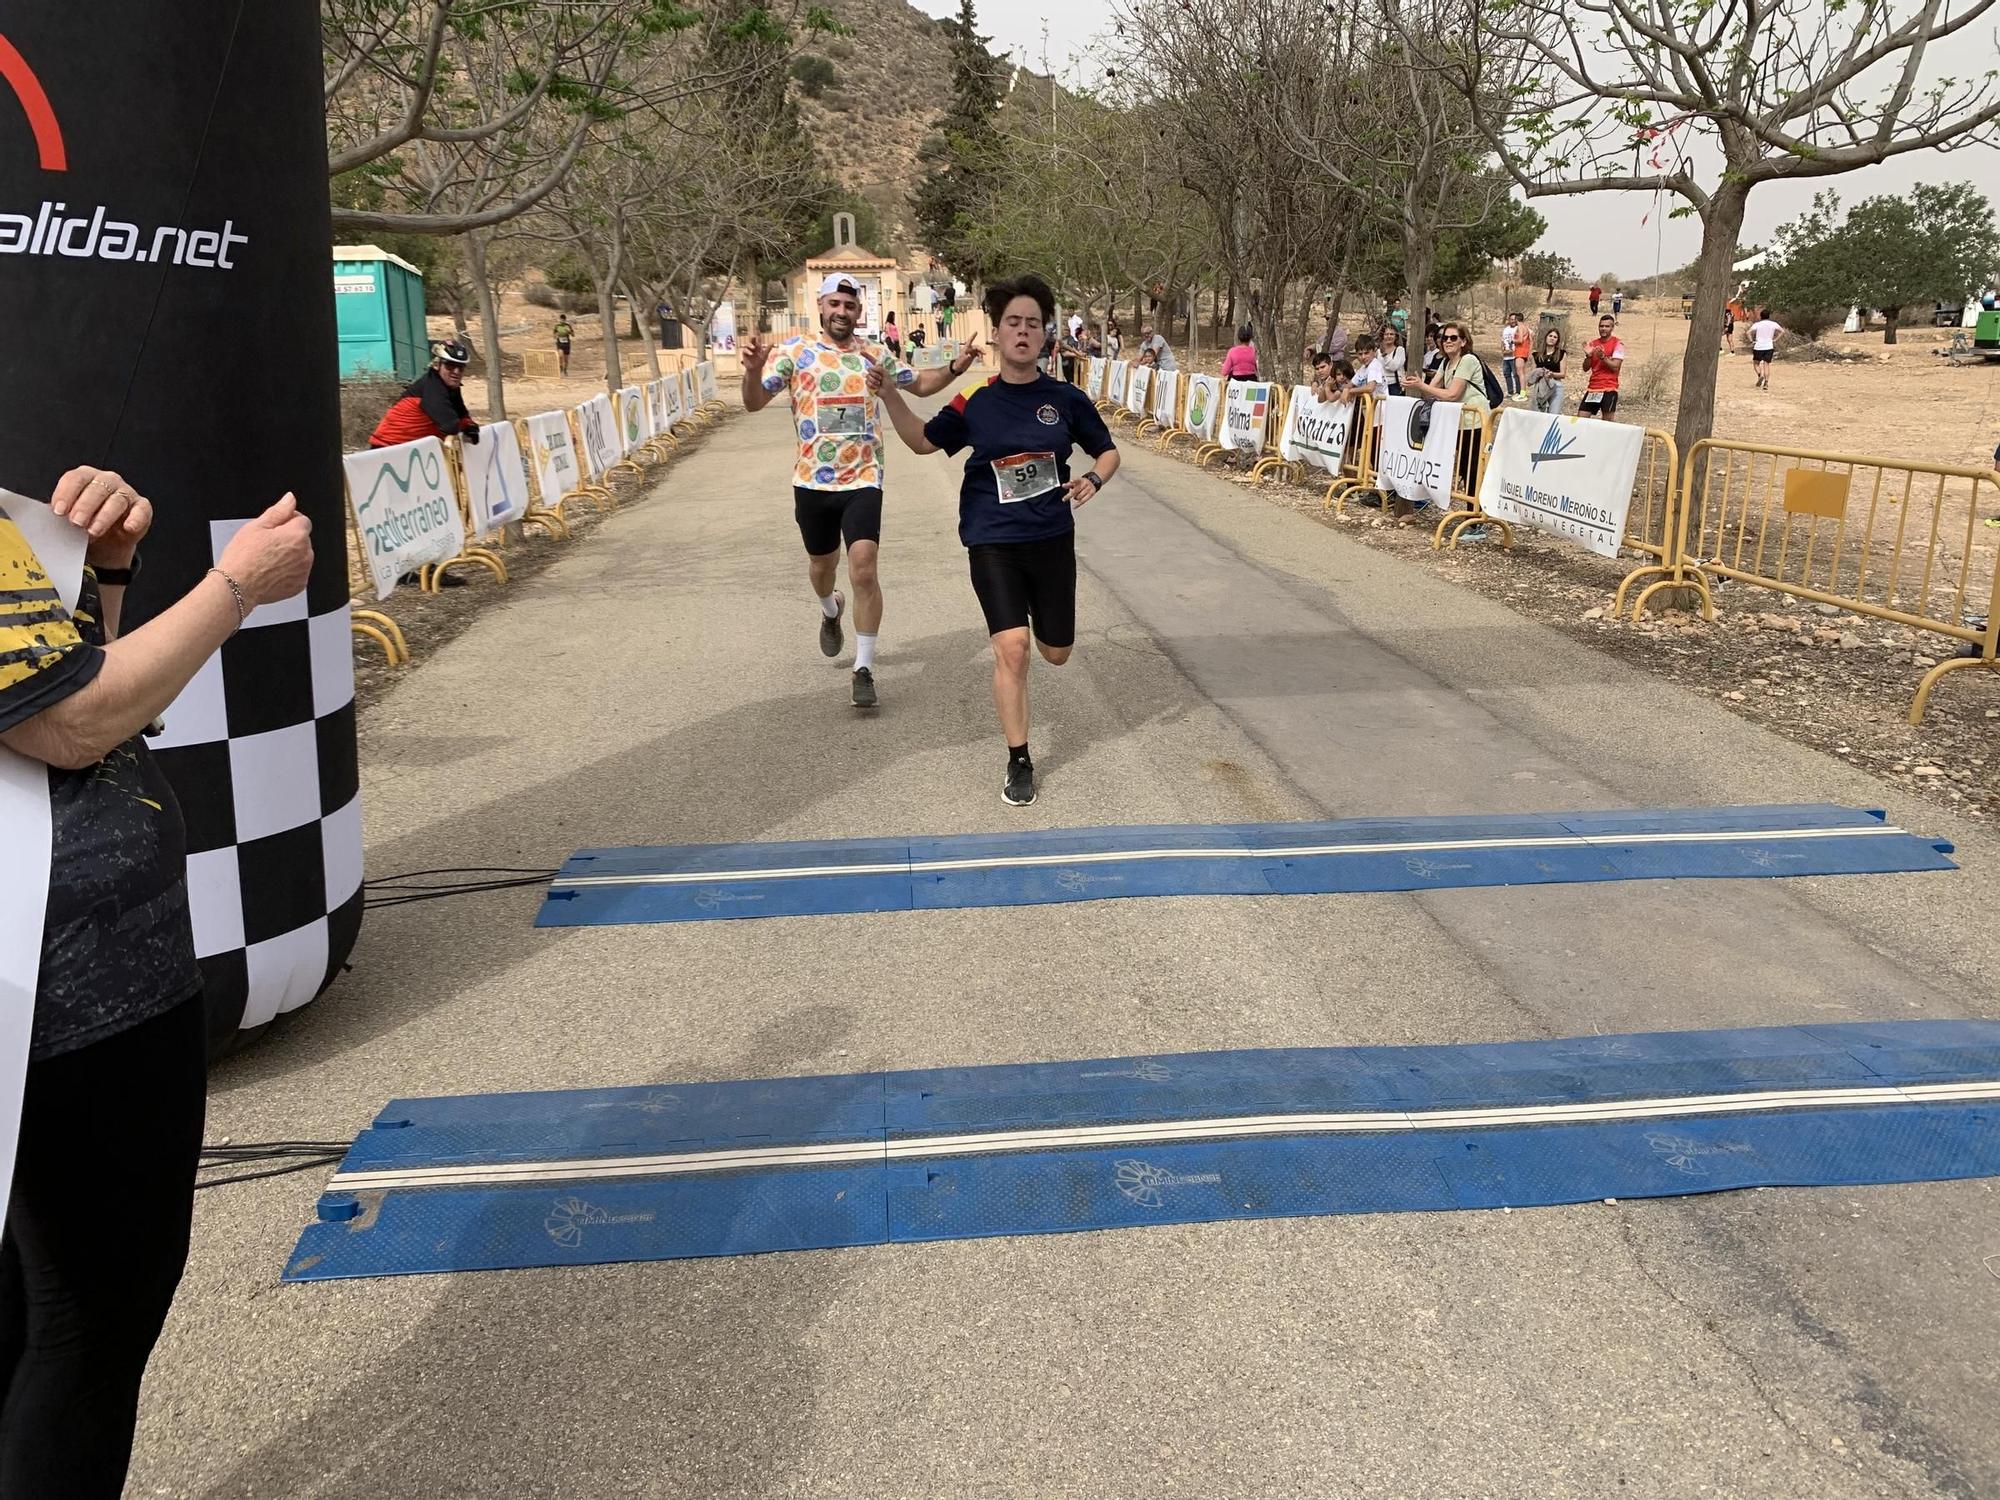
point(709, 882)
point(661, 1173)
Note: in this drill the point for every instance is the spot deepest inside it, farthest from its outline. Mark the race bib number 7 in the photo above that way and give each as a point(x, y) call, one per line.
point(842, 416)
point(1022, 476)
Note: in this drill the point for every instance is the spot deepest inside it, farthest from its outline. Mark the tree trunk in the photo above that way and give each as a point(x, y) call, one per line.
point(489, 322)
point(607, 318)
point(1719, 230)
point(1419, 256)
point(1890, 317)
point(646, 338)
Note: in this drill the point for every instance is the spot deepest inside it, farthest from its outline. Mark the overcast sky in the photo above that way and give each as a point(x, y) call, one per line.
point(1599, 232)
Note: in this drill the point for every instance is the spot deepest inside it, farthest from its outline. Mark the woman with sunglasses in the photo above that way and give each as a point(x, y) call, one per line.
point(1461, 378)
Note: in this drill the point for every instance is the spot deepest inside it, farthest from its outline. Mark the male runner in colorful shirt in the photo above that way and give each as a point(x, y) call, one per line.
point(837, 482)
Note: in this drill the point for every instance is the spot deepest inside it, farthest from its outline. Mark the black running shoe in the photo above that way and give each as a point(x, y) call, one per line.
point(830, 634)
point(864, 688)
point(1020, 788)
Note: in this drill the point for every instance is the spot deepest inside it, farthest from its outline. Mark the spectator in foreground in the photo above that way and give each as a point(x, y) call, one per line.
point(1367, 377)
point(1150, 341)
point(1433, 359)
point(1603, 358)
point(115, 1090)
point(1462, 379)
point(1545, 380)
point(1763, 346)
point(1240, 363)
point(432, 405)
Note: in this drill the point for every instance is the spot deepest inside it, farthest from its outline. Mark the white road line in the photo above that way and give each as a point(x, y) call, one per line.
point(1279, 851)
point(1153, 1133)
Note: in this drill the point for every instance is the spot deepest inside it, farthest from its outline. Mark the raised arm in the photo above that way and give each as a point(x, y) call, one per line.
point(930, 382)
point(909, 426)
point(752, 358)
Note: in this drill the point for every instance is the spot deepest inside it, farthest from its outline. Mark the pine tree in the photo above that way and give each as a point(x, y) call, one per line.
point(962, 160)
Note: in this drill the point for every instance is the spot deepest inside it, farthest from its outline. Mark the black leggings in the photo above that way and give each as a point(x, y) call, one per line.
point(97, 1234)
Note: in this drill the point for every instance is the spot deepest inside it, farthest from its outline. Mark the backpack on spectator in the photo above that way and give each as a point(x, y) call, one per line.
point(1494, 395)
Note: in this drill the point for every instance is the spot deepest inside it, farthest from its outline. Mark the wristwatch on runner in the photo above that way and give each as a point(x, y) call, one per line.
point(1096, 480)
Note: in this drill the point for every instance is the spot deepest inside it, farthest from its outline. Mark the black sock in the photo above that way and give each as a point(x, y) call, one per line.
point(1018, 753)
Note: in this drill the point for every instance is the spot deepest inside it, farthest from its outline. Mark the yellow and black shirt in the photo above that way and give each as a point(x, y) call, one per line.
point(117, 948)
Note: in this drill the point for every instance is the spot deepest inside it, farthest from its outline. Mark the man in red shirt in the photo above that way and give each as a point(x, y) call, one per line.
point(1596, 296)
point(1602, 357)
point(432, 405)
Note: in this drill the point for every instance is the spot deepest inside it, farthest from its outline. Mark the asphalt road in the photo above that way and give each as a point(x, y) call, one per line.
point(1235, 662)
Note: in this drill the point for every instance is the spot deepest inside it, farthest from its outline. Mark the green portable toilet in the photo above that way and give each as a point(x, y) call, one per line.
point(378, 302)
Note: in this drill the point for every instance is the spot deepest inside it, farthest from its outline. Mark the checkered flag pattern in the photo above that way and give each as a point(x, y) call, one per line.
point(260, 748)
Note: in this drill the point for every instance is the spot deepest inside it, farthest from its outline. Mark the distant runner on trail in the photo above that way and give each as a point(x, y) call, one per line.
point(1763, 345)
point(563, 334)
point(837, 482)
point(1016, 501)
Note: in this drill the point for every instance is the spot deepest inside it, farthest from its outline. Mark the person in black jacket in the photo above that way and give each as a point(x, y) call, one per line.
point(433, 405)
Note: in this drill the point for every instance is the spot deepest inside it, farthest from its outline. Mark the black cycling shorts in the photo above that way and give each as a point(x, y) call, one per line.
point(826, 516)
point(1761, 356)
point(1023, 583)
point(1599, 403)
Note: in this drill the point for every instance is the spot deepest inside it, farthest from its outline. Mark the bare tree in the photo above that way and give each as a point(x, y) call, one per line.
point(1707, 101)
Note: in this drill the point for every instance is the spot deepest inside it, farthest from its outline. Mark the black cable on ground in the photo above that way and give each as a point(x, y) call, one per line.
point(294, 1156)
point(398, 890)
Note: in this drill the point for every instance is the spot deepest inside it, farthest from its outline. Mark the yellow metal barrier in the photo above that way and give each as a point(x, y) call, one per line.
point(1358, 461)
point(430, 577)
point(1894, 539)
point(540, 513)
point(597, 491)
point(1468, 466)
point(1276, 413)
point(373, 624)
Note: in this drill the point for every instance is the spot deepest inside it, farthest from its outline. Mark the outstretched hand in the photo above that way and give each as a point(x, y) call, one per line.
point(755, 352)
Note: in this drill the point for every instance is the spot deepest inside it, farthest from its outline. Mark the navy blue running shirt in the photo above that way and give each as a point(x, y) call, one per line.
point(1017, 434)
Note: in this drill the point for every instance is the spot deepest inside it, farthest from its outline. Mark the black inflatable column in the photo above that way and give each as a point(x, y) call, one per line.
point(167, 305)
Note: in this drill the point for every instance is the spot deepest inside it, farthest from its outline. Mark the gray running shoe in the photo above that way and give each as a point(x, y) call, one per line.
point(864, 688)
point(830, 634)
point(1020, 788)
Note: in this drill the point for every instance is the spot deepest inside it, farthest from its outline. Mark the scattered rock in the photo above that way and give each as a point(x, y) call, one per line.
point(1594, 614)
point(1923, 661)
point(1827, 609)
point(1849, 641)
point(1734, 697)
point(1927, 770)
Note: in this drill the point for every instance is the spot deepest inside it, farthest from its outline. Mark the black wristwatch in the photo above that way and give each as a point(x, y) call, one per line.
point(117, 578)
point(1096, 481)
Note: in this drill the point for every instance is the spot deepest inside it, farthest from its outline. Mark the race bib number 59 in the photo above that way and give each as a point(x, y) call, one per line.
point(1022, 476)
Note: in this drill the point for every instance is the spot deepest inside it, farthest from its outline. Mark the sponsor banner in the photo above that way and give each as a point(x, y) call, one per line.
point(1558, 474)
point(1418, 448)
point(657, 411)
point(1137, 386)
point(704, 380)
point(1093, 379)
point(1246, 416)
point(722, 328)
point(496, 483)
point(1315, 431)
point(690, 394)
point(597, 427)
point(631, 419)
point(1115, 375)
point(556, 468)
point(931, 356)
point(404, 509)
point(1167, 397)
point(1204, 406)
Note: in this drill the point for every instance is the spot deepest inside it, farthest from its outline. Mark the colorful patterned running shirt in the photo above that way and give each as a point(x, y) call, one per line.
point(840, 440)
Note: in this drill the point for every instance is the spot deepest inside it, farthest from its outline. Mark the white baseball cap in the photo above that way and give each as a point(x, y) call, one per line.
point(837, 282)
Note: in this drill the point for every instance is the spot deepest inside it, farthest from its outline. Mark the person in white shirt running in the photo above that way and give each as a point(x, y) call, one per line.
point(1763, 344)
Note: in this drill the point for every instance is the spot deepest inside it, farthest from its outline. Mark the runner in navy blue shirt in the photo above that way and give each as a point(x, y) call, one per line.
point(1016, 504)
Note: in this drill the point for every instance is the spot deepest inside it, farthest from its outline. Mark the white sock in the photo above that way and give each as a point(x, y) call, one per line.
point(830, 606)
point(864, 651)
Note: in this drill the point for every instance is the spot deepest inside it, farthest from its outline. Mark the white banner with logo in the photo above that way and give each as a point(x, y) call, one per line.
point(1204, 406)
point(598, 426)
point(404, 509)
point(632, 429)
point(704, 380)
point(1558, 474)
point(1115, 377)
point(1137, 386)
point(657, 411)
point(1246, 416)
point(1316, 432)
point(556, 471)
point(931, 356)
point(496, 484)
point(690, 393)
point(722, 328)
point(1167, 397)
point(1418, 448)
point(27, 833)
point(1093, 378)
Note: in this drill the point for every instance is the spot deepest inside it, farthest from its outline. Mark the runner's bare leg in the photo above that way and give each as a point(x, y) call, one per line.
point(867, 590)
